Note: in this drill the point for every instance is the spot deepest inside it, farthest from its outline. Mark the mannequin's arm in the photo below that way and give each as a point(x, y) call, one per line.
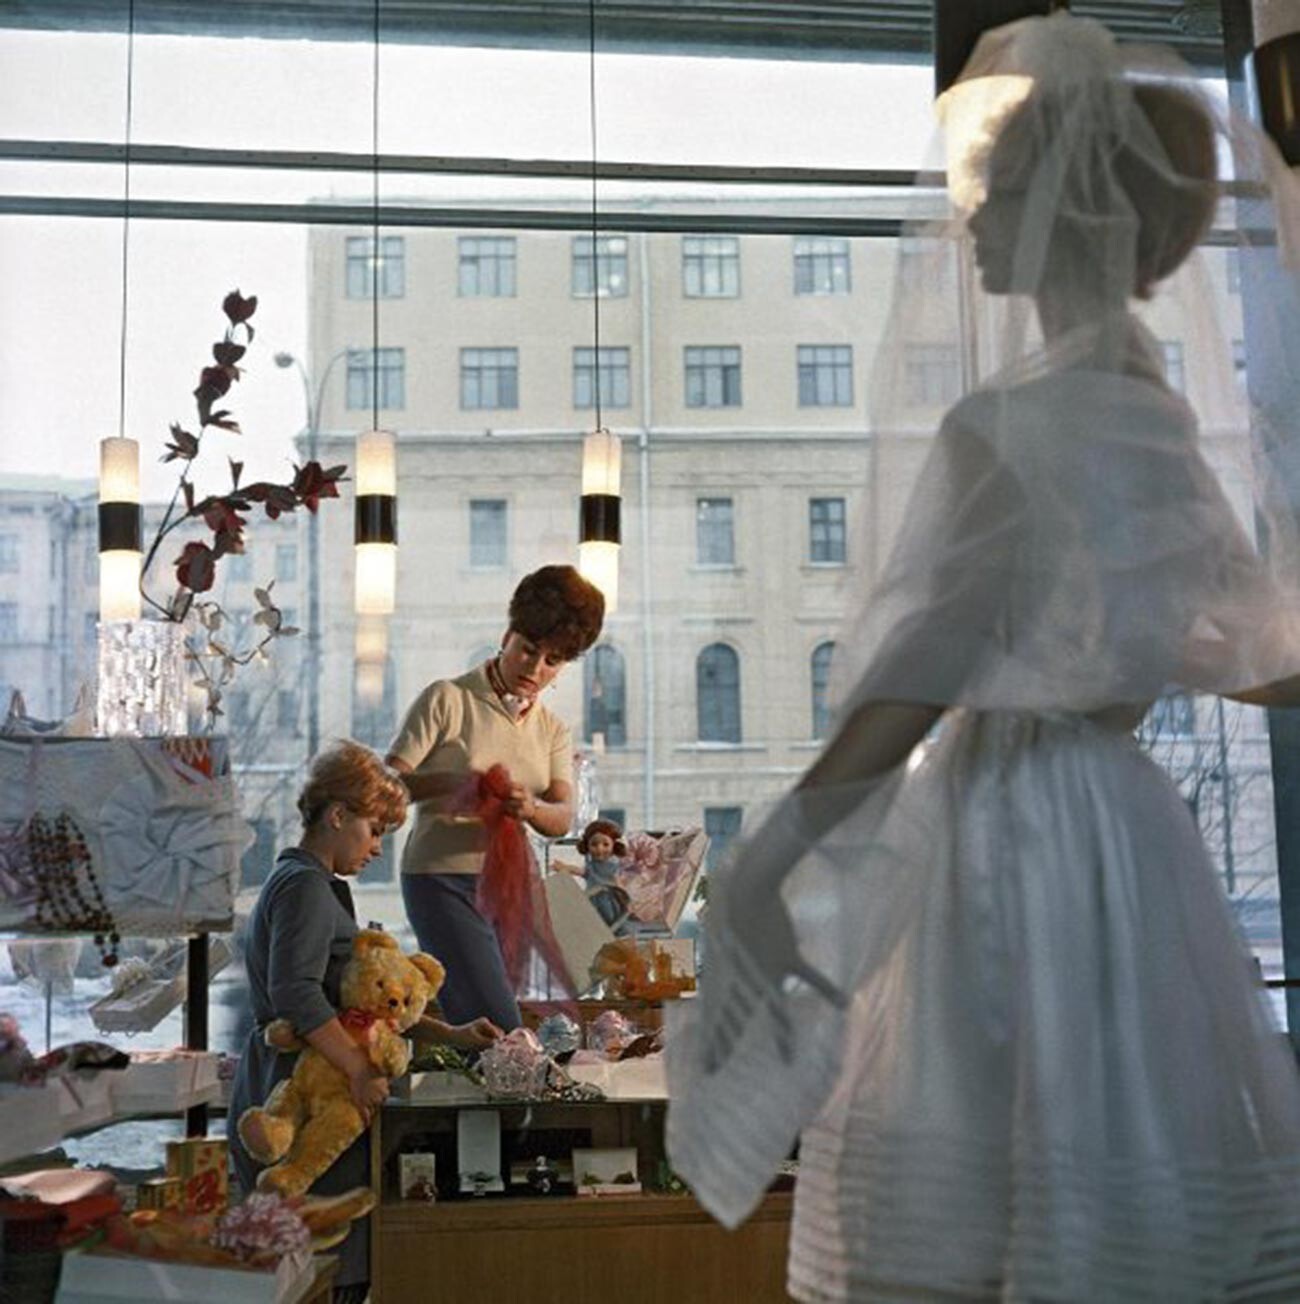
point(875, 739)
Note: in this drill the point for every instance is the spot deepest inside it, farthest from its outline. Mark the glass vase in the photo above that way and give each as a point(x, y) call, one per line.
point(143, 683)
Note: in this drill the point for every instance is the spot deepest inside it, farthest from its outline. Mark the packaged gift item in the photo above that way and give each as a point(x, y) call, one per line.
point(605, 1172)
point(160, 1193)
point(559, 1035)
point(417, 1176)
point(515, 1066)
point(203, 1166)
point(609, 1032)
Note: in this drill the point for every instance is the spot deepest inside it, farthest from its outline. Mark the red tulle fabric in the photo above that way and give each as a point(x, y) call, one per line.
point(510, 893)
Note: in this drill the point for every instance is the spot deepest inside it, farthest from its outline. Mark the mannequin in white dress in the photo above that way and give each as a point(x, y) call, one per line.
point(989, 979)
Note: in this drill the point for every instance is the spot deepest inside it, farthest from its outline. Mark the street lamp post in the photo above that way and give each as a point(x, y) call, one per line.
point(312, 398)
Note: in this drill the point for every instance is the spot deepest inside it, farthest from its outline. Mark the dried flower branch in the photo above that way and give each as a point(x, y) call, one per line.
point(213, 660)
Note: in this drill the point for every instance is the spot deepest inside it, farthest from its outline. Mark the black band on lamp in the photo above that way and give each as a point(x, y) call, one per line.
point(599, 518)
point(376, 519)
point(119, 527)
point(1277, 83)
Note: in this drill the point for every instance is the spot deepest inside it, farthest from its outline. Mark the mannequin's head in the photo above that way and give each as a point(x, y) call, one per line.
point(1101, 190)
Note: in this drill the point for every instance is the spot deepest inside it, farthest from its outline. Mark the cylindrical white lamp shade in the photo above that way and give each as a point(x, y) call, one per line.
point(602, 463)
point(598, 562)
point(376, 579)
point(371, 659)
point(377, 463)
point(119, 585)
point(119, 529)
point(119, 470)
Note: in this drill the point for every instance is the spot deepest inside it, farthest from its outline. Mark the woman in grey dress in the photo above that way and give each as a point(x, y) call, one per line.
point(298, 940)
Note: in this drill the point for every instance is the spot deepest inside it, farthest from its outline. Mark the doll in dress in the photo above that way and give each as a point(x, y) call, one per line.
point(603, 850)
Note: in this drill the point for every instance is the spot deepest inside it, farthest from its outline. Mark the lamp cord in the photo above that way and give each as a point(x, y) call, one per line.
point(595, 212)
point(375, 261)
point(126, 216)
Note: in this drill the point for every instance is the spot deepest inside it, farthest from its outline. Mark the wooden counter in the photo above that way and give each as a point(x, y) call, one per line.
point(649, 1248)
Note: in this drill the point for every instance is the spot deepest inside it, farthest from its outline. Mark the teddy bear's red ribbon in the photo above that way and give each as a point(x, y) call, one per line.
point(509, 886)
point(355, 1020)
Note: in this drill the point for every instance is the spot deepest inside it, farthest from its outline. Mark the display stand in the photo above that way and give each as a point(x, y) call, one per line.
point(647, 1248)
point(196, 1020)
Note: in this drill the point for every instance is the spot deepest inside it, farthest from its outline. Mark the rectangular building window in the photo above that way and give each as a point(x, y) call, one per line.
point(240, 566)
point(286, 561)
point(8, 622)
point(712, 376)
point(1175, 365)
point(821, 265)
point(489, 378)
point(615, 378)
point(911, 262)
point(605, 273)
point(487, 266)
point(487, 532)
point(932, 374)
point(722, 824)
point(366, 269)
point(825, 375)
point(710, 266)
point(9, 554)
point(826, 545)
point(384, 367)
point(715, 538)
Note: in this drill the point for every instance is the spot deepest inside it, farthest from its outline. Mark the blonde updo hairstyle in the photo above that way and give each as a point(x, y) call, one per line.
point(354, 776)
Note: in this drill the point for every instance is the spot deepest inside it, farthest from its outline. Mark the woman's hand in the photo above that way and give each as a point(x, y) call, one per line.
point(368, 1089)
point(520, 804)
point(476, 1035)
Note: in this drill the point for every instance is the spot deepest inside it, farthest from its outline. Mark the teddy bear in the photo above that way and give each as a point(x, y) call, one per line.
point(309, 1120)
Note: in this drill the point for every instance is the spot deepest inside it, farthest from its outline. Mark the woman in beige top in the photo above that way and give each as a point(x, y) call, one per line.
point(456, 727)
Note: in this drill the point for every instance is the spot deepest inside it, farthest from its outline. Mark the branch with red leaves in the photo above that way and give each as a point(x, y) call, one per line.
point(225, 515)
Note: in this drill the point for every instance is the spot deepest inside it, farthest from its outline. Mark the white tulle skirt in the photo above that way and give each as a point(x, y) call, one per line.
point(1061, 1083)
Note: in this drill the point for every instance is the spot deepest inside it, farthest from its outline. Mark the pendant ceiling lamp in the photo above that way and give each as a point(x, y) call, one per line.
point(599, 524)
point(375, 530)
point(120, 526)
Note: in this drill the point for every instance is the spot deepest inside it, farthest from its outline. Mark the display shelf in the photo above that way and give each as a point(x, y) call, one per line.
point(650, 1247)
point(35, 1119)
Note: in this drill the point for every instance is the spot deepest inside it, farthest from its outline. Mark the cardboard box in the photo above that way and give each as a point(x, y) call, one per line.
point(166, 1081)
point(418, 1176)
point(203, 1165)
point(606, 1172)
point(109, 1279)
point(630, 1079)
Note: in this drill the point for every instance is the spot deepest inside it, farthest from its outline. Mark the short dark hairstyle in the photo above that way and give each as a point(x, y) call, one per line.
point(557, 607)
